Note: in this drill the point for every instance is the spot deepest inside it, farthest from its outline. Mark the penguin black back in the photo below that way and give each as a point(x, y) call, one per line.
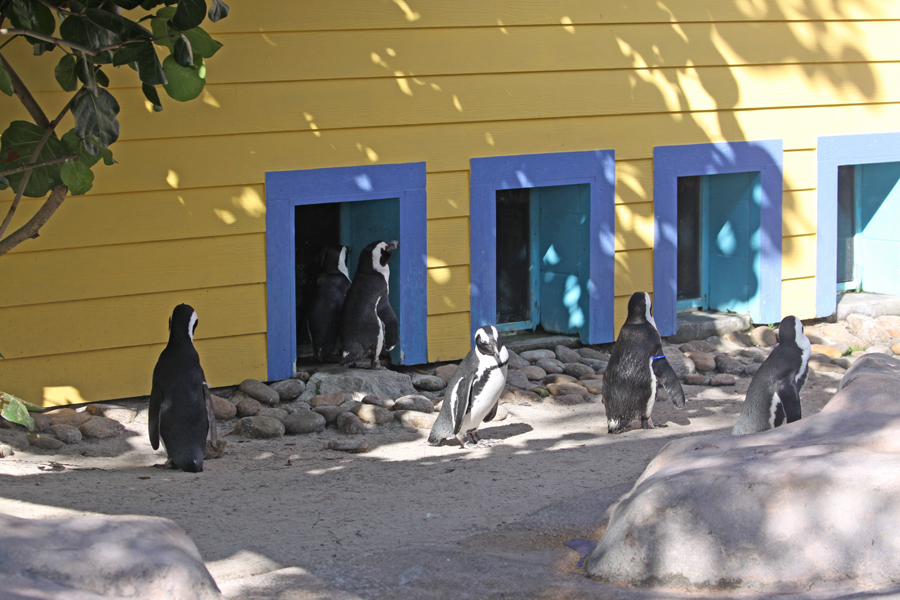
point(179, 395)
point(636, 367)
point(368, 323)
point(323, 317)
point(774, 393)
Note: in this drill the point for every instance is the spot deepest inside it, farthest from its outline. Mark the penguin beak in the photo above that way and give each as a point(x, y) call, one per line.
point(391, 246)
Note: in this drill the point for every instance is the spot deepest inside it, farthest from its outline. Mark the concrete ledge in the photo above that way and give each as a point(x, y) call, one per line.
point(870, 305)
point(701, 325)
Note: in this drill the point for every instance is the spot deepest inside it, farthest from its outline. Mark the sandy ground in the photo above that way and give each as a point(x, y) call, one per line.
point(288, 518)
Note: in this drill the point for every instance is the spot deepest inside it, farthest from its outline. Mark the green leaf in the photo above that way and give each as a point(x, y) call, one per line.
point(218, 11)
point(32, 15)
point(85, 73)
point(83, 32)
point(188, 14)
point(102, 79)
point(108, 159)
point(202, 43)
point(124, 29)
point(65, 73)
point(4, 183)
point(95, 116)
point(40, 47)
point(149, 68)
point(184, 83)
point(17, 145)
point(183, 55)
point(77, 177)
point(128, 4)
point(161, 33)
point(16, 410)
point(152, 95)
point(5, 82)
point(74, 145)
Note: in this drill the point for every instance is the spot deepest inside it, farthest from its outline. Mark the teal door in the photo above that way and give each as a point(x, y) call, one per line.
point(718, 241)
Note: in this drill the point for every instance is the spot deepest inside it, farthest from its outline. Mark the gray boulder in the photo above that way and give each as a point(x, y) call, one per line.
point(90, 558)
point(805, 505)
point(259, 427)
point(380, 382)
point(289, 389)
point(429, 383)
point(305, 421)
point(259, 391)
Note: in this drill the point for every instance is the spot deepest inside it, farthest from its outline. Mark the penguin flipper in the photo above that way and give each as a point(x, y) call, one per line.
point(391, 328)
point(490, 416)
point(211, 416)
point(790, 400)
point(665, 374)
point(463, 402)
point(153, 416)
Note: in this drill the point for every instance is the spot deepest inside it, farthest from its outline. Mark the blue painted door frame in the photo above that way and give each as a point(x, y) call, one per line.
point(672, 162)
point(833, 152)
point(594, 168)
point(288, 189)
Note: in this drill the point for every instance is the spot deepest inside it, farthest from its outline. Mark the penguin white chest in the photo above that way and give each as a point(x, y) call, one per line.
point(485, 393)
point(653, 383)
point(379, 341)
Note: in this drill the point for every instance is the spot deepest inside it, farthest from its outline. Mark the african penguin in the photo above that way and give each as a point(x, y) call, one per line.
point(473, 392)
point(636, 367)
point(323, 318)
point(774, 393)
point(368, 323)
point(180, 404)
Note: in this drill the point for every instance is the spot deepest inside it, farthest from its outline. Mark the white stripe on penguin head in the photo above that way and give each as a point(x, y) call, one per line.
point(191, 324)
point(385, 270)
point(805, 347)
point(647, 313)
point(342, 262)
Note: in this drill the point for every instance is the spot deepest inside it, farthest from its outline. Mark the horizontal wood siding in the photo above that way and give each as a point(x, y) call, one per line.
point(320, 84)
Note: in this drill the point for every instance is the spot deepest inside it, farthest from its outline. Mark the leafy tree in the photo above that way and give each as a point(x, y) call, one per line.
point(92, 34)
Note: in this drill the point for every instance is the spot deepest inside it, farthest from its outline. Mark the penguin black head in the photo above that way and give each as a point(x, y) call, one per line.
point(376, 255)
point(335, 257)
point(790, 330)
point(639, 309)
point(183, 322)
point(488, 343)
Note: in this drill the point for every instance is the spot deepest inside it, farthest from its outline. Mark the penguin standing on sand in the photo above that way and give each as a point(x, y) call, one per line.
point(323, 319)
point(180, 403)
point(368, 323)
point(636, 367)
point(474, 390)
point(774, 392)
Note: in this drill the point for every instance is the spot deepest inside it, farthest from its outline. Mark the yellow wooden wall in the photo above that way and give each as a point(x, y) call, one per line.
point(302, 85)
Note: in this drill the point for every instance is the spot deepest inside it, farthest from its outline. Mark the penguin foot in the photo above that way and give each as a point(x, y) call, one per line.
point(648, 424)
point(485, 443)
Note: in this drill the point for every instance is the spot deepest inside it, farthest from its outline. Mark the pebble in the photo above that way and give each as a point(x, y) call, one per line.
point(42, 422)
point(702, 361)
point(5, 451)
point(110, 411)
point(302, 376)
point(535, 355)
point(306, 421)
point(414, 402)
point(567, 355)
point(763, 337)
point(355, 446)
point(726, 364)
point(223, 409)
point(259, 391)
point(722, 379)
point(415, 419)
point(350, 424)
point(330, 413)
point(259, 427)
point(828, 351)
point(446, 372)
point(332, 399)
point(696, 379)
point(578, 370)
point(101, 428)
point(382, 402)
point(550, 365)
point(568, 399)
point(429, 383)
point(517, 396)
point(369, 413)
point(566, 389)
point(66, 433)
point(559, 378)
point(516, 361)
point(518, 379)
point(45, 442)
point(533, 373)
point(843, 361)
point(275, 413)
point(594, 354)
point(247, 407)
point(289, 389)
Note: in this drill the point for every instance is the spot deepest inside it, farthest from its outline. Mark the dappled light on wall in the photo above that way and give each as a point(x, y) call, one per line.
point(61, 395)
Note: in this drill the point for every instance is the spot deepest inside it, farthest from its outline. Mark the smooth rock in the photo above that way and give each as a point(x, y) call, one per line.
point(111, 411)
point(593, 353)
point(289, 389)
point(518, 379)
point(550, 365)
point(895, 348)
point(223, 409)
point(559, 378)
point(516, 361)
point(566, 355)
point(68, 416)
point(295, 406)
point(429, 383)
point(701, 360)
point(517, 396)
point(839, 333)
point(259, 391)
point(236, 396)
point(100, 428)
point(568, 399)
point(306, 421)
point(828, 351)
point(593, 386)
point(45, 442)
point(697, 379)
point(275, 413)
point(873, 334)
point(247, 407)
point(16, 438)
point(382, 402)
point(42, 422)
point(540, 391)
point(722, 379)
point(891, 324)
point(533, 373)
point(350, 424)
point(369, 413)
point(757, 355)
point(259, 427)
point(825, 367)
point(533, 356)
point(302, 376)
point(681, 364)
point(738, 338)
point(763, 336)
point(382, 383)
point(566, 389)
point(332, 399)
point(855, 321)
point(728, 365)
point(414, 402)
point(353, 446)
point(698, 346)
point(843, 361)
point(351, 406)
point(5, 451)
point(578, 370)
point(597, 365)
point(66, 433)
point(751, 369)
point(329, 413)
point(415, 419)
point(879, 349)
point(446, 372)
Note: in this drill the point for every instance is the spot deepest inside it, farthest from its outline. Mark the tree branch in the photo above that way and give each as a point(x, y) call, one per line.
point(43, 163)
point(51, 39)
point(30, 229)
point(25, 96)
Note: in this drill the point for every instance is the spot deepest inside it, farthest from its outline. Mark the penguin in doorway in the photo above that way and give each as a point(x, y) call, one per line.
point(180, 403)
point(474, 390)
point(323, 319)
point(774, 393)
point(368, 323)
point(637, 366)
